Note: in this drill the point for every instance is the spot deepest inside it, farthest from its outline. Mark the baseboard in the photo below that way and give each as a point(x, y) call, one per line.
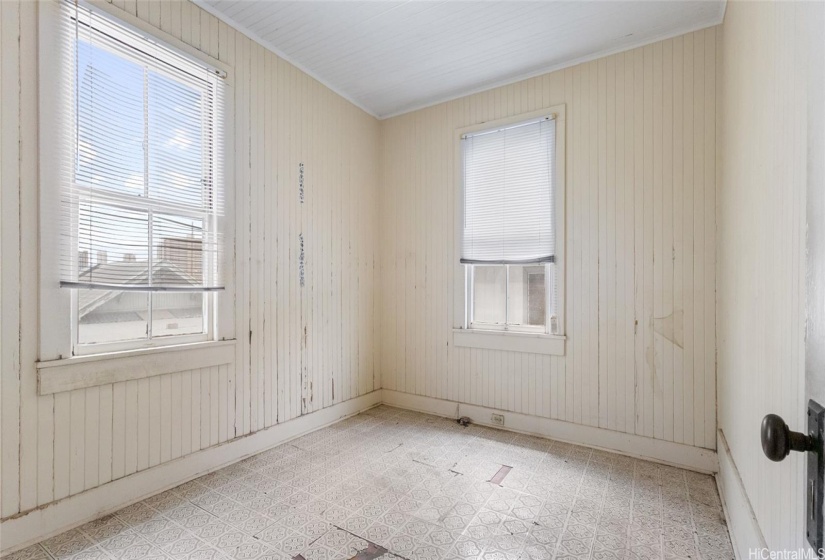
point(676, 454)
point(51, 519)
point(745, 533)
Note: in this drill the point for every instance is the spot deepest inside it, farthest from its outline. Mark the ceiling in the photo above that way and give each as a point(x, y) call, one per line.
point(391, 57)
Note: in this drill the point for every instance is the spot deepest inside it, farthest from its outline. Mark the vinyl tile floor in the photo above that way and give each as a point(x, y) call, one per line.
point(395, 484)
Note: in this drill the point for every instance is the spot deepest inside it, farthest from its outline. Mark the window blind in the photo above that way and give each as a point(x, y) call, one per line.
point(508, 194)
point(141, 197)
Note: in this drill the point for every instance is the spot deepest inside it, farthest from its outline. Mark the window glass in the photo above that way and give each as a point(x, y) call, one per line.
point(175, 138)
point(110, 121)
point(526, 292)
point(112, 316)
point(489, 301)
point(177, 313)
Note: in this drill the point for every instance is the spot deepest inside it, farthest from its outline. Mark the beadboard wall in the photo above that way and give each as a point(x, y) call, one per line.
point(299, 350)
point(771, 53)
point(377, 225)
point(640, 253)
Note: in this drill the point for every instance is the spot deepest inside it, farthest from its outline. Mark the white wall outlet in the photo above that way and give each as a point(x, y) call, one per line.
point(498, 419)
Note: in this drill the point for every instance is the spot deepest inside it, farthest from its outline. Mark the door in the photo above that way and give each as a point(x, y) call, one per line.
point(815, 239)
point(779, 439)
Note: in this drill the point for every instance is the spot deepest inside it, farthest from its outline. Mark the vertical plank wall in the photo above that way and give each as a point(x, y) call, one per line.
point(641, 196)
point(300, 348)
point(769, 51)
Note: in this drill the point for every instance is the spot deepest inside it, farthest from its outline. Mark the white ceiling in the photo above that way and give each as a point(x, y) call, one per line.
point(390, 57)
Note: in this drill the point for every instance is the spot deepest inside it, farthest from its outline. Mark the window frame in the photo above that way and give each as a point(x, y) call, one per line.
point(524, 338)
point(150, 205)
point(58, 306)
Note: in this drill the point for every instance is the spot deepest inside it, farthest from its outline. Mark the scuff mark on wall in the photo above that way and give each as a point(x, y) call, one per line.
point(671, 327)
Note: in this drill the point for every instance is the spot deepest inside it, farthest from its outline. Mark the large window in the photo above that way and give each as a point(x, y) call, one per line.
point(142, 197)
point(508, 246)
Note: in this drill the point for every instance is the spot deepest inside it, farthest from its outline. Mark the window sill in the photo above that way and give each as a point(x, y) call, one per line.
point(80, 372)
point(548, 344)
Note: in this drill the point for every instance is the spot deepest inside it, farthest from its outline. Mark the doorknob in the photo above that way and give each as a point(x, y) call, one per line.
point(778, 440)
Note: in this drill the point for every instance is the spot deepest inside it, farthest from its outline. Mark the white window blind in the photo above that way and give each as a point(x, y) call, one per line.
point(141, 197)
point(508, 194)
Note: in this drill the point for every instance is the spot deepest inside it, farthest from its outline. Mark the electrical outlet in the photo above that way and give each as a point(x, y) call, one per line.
point(498, 419)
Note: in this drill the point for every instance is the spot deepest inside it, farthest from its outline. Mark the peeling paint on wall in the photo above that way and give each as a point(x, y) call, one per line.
point(301, 182)
point(301, 259)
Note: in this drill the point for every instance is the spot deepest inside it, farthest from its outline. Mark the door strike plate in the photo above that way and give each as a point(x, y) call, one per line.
point(815, 483)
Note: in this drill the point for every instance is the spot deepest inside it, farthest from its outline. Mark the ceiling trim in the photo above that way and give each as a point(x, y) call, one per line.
point(481, 88)
point(556, 67)
point(270, 47)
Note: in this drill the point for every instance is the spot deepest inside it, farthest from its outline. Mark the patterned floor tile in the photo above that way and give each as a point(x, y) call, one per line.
point(417, 486)
point(35, 552)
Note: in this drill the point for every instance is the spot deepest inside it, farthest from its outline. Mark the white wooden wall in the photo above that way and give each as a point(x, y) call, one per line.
point(766, 49)
point(300, 349)
point(641, 236)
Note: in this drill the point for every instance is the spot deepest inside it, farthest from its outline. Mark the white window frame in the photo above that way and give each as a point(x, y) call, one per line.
point(58, 306)
point(525, 338)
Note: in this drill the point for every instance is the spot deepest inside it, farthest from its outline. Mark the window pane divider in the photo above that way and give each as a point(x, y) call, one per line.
point(151, 225)
point(132, 202)
point(506, 297)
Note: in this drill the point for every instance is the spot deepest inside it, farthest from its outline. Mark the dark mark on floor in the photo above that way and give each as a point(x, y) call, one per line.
point(446, 514)
point(499, 476)
point(372, 551)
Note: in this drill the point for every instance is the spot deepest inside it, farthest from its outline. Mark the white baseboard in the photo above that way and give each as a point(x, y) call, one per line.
point(745, 533)
point(676, 454)
point(51, 519)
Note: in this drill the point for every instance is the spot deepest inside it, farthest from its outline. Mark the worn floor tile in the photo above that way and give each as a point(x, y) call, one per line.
point(419, 487)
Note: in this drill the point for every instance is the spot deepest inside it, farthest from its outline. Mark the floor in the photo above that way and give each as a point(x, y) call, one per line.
point(396, 484)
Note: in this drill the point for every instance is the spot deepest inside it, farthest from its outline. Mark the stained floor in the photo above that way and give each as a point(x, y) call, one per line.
point(395, 484)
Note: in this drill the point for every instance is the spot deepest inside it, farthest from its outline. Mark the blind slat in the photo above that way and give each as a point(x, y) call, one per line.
point(508, 194)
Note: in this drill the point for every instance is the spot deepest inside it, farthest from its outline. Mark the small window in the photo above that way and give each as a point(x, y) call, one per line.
point(509, 296)
point(142, 195)
point(509, 227)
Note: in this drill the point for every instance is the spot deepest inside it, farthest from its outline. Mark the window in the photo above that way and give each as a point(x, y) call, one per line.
point(511, 225)
point(141, 198)
point(510, 297)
